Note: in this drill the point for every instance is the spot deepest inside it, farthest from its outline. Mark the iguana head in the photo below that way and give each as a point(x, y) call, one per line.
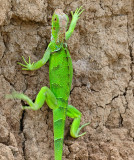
point(59, 26)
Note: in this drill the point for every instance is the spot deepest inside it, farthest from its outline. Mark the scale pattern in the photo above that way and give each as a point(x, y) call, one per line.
point(60, 74)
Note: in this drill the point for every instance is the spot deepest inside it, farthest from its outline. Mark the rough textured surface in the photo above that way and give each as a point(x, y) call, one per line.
point(102, 51)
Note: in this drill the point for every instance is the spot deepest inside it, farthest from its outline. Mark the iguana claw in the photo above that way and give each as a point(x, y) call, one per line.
point(28, 66)
point(81, 128)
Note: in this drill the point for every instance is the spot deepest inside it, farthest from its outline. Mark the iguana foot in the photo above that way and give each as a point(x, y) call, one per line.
point(72, 112)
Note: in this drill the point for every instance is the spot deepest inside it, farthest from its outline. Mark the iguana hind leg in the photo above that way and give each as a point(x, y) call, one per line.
point(72, 112)
point(45, 94)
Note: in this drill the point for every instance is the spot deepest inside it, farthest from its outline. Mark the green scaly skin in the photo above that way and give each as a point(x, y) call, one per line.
point(60, 75)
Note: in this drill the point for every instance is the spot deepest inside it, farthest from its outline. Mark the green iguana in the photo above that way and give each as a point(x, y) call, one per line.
point(60, 75)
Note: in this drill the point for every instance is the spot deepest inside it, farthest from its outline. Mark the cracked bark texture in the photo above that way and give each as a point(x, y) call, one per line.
point(102, 51)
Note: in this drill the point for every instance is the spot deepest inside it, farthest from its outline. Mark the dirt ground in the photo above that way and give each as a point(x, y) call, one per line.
point(102, 52)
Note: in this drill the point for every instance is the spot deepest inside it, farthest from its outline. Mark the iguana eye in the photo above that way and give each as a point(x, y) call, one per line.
point(55, 19)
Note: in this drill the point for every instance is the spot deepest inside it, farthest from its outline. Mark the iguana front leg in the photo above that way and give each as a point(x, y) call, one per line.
point(38, 64)
point(75, 18)
point(45, 94)
point(72, 112)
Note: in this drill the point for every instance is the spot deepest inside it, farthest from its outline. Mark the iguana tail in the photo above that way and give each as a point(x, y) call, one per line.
point(59, 116)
